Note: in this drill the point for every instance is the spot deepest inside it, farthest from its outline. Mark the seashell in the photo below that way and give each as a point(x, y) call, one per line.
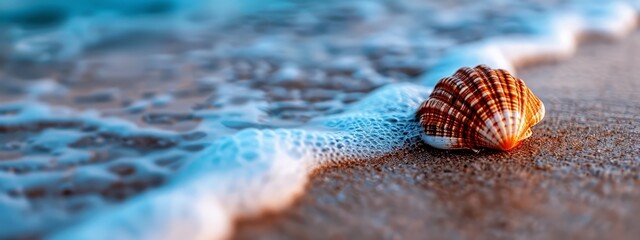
point(479, 108)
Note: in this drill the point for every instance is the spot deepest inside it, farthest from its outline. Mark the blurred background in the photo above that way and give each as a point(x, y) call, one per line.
point(41, 31)
point(273, 51)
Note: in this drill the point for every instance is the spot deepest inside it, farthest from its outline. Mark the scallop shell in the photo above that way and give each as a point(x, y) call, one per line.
point(479, 108)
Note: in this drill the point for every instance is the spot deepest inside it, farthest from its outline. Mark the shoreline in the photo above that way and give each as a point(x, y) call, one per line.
point(575, 177)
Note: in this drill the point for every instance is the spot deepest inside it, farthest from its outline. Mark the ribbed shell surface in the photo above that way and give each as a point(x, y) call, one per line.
point(477, 108)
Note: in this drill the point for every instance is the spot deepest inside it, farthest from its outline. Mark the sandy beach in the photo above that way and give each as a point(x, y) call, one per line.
point(577, 177)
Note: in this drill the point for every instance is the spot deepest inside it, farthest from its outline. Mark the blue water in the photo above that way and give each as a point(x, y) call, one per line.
point(169, 119)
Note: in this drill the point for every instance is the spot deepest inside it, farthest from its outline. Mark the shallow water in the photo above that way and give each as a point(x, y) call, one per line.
point(224, 115)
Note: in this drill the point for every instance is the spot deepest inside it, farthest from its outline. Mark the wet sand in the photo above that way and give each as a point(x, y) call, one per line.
point(577, 177)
